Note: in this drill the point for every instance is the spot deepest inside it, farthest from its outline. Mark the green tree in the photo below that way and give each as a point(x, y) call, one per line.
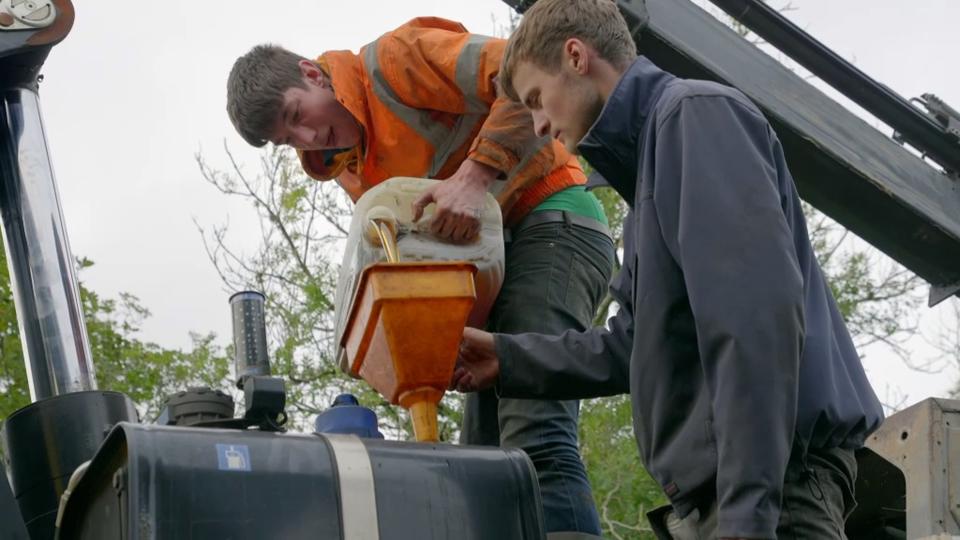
point(14, 392)
point(144, 371)
point(946, 342)
point(291, 266)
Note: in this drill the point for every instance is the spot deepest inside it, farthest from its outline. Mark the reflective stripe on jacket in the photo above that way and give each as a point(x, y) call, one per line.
point(425, 95)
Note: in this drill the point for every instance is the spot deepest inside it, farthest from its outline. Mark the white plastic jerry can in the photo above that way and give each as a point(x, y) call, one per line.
point(392, 200)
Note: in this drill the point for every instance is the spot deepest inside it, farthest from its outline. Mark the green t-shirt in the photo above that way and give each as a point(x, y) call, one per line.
point(576, 200)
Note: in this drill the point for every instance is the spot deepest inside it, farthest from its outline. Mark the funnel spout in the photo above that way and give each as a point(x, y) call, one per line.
point(422, 404)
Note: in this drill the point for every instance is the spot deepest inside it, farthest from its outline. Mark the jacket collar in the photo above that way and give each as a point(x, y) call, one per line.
point(612, 144)
point(347, 78)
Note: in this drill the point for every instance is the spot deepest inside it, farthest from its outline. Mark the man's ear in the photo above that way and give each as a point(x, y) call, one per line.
point(313, 73)
point(576, 55)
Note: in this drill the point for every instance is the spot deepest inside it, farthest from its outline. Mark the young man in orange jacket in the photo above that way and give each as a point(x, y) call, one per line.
point(422, 101)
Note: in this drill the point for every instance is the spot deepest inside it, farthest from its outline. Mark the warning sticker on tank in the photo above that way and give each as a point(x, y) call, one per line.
point(233, 457)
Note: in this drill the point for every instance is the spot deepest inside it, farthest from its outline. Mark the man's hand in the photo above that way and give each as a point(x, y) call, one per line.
point(477, 364)
point(460, 201)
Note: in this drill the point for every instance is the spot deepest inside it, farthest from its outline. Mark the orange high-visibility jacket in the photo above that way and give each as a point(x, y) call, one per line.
point(426, 97)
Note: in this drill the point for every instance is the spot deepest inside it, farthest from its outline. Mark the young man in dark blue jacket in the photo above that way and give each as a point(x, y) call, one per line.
point(748, 395)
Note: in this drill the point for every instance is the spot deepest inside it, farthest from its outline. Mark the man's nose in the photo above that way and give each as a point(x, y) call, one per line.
point(540, 124)
point(305, 136)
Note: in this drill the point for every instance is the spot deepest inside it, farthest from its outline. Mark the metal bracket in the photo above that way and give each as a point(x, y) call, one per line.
point(921, 443)
point(948, 117)
point(636, 14)
point(520, 6)
point(634, 11)
point(939, 293)
point(26, 14)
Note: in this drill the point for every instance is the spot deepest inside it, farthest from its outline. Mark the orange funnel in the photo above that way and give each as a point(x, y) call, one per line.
point(404, 331)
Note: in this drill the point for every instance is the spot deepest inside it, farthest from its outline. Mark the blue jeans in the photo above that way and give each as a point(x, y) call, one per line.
point(556, 275)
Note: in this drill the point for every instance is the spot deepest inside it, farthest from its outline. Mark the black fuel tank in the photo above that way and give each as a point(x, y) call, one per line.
point(153, 482)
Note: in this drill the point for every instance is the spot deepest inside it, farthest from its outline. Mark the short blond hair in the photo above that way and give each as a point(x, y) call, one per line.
point(550, 23)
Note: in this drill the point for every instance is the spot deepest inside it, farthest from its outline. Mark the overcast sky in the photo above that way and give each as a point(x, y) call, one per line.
point(138, 88)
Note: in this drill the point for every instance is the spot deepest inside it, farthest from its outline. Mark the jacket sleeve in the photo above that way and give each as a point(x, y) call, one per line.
point(435, 64)
point(573, 365)
point(719, 208)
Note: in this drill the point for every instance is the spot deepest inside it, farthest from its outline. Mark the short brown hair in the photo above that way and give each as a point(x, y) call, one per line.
point(255, 90)
point(550, 23)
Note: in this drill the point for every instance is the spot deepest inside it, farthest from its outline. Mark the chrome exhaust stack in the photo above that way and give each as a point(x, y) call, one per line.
point(55, 344)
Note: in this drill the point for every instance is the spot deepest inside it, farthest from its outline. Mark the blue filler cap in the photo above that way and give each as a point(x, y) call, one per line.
point(347, 417)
